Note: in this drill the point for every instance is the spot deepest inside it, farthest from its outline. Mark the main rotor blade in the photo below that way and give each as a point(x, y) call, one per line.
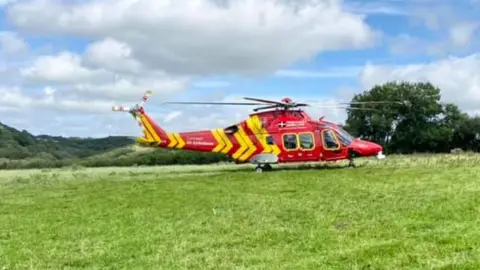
point(357, 102)
point(214, 103)
point(264, 100)
point(372, 102)
point(343, 107)
point(265, 108)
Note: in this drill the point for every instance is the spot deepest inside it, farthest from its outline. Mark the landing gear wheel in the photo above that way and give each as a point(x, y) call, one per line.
point(351, 164)
point(350, 159)
point(263, 167)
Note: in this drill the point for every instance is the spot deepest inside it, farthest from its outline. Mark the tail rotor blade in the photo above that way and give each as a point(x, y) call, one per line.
point(145, 97)
point(120, 108)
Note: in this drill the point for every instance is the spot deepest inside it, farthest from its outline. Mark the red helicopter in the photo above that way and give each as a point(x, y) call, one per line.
point(277, 132)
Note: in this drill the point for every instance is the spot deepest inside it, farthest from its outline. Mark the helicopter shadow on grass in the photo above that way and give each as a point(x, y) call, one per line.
point(316, 167)
point(305, 167)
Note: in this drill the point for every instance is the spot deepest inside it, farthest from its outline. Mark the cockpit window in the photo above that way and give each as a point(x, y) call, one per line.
point(330, 141)
point(345, 138)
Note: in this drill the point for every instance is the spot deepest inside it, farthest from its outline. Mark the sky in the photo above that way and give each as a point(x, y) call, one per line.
point(63, 64)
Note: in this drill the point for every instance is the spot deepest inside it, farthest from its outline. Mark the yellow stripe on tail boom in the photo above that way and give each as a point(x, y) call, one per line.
point(220, 141)
point(149, 128)
point(228, 143)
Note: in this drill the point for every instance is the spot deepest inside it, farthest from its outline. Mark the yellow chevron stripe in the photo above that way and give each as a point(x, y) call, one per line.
point(218, 138)
point(181, 142)
point(243, 145)
point(226, 140)
point(142, 141)
point(146, 133)
point(274, 148)
point(253, 123)
point(147, 125)
point(250, 146)
point(172, 139)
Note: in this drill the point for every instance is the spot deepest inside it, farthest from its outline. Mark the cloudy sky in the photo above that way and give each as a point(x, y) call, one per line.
point(65, 63)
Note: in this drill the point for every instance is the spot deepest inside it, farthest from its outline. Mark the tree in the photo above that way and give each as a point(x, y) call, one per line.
point(467, 135)
point(414, 121)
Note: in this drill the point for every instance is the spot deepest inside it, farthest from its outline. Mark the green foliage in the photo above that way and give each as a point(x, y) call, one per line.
point(418, 123)
point(148, 157)
point(22, 150)
point(19, 145)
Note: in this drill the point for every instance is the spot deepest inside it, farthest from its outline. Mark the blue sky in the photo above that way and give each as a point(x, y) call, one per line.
point(71, 60)
point(318, 76)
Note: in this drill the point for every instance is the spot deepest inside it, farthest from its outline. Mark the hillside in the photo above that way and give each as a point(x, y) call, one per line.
point(20, 150)
point(15, 144)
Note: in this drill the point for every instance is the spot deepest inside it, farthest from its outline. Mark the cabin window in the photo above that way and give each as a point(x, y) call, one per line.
point(330, 140)
point(290, 141)
point(269, 140)
point(306, 141)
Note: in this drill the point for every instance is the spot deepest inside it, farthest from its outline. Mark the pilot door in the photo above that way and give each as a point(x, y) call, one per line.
point(332, 147)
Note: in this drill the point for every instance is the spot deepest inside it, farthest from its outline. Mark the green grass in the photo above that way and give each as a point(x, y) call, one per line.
point(420, 212)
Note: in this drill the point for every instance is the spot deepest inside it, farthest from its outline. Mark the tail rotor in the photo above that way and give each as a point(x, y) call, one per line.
point(135, 109)
point(137, 106)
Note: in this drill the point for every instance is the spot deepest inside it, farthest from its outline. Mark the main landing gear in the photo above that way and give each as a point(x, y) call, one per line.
point(263, 167)
point(263, 161)
point(351, 164)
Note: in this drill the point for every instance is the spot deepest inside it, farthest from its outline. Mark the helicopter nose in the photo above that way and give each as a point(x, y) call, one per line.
point(366, 148)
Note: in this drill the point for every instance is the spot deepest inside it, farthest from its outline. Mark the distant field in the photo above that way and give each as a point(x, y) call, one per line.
point(418, 212)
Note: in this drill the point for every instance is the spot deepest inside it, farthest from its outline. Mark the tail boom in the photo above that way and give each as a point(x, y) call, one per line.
point(245, 143)
point(242, 142)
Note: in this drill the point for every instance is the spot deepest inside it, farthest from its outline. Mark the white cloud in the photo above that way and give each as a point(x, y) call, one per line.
point(11, 43)
point(212, 84)
point(66, 67)
point(15, 98)
point(163, 45)
point(462, 33)
point(328, 73)
point(458, 78)
point(390, 8)
point(108, 78)
point(202, 36)
point(113, 55)
point(436, 28)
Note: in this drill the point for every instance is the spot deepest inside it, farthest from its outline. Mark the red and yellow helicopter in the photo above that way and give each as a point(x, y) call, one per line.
point(277, 132)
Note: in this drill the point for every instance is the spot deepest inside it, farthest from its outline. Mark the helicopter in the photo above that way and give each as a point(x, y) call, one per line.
point(276, 132)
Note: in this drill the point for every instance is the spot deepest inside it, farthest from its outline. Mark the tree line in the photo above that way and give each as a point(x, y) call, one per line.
point(408, 118)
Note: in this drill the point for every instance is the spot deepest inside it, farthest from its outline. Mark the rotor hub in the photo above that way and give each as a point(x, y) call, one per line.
point(287, 100)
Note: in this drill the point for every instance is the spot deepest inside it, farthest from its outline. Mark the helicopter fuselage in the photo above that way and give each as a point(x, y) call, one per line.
point(282, 135)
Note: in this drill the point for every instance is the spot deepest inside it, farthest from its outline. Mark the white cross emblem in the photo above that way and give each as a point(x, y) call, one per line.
point(282, 124)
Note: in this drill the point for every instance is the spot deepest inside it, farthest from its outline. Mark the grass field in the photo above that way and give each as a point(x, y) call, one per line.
point(420, 212)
